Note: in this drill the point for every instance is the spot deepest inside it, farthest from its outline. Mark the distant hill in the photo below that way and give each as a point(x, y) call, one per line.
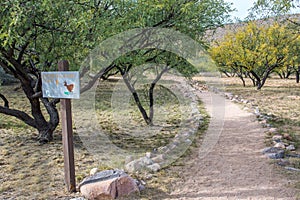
point(219, 33)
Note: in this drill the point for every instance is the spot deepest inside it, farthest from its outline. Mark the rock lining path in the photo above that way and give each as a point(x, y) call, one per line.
point(233, 168)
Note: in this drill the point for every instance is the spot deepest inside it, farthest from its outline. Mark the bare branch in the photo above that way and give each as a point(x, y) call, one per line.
point(6, 103)
point(37, 95)
point(96, 77)
point(19, 115)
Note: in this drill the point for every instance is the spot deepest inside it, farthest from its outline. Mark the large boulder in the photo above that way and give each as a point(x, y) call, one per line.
point(108, 184)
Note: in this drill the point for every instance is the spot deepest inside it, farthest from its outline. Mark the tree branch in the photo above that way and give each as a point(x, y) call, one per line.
point(19, 115)
point(96, 77)
point(53, 28)
point(52, 111)
point(6, 103)
point(22, 51)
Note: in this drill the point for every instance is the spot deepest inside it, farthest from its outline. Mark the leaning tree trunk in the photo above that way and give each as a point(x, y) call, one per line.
point(242, 79)
point(45, 128)
point(298, 75)
point(32, 89)
point(36, 120)
point(151, 93)
point(136, 99)
point(251, 78)
point(256, 80)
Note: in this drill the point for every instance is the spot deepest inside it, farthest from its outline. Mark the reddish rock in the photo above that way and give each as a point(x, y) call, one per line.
point(109, 187)
point(287, 137)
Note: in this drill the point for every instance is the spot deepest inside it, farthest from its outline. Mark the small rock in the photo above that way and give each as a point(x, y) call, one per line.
point(256, 112)
point(279, 145)
point(148, 154)
point(78, 198)
point(93, 171)
point(291, 148)
point(235, 100)
point(146, 161)
point(274, 153)
point(245, 101)
point(273, 130)
point(246, 108)
point(162, 149)
point(133, 166)
point(138, 165)
point(277, 138)
point(129, 159)
point(287, 136)
point(149, 176)
point(141, 184)
point(292, 169)
point(159, 158)
point(154, 167)
point(229, 95)
point(293, 155)
point(263, 122)
point(268, 125)
point(283, 162)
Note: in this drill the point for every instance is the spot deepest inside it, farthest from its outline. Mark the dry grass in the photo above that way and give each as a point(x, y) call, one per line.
point(278, 97)
point(29, 170)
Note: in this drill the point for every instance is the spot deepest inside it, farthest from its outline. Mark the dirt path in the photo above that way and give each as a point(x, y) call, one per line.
point(233, 168)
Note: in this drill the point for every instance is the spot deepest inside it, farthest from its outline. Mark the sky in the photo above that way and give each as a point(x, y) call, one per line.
point(243, 5)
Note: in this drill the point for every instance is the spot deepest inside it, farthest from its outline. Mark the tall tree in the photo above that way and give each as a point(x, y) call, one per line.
point(34, 35)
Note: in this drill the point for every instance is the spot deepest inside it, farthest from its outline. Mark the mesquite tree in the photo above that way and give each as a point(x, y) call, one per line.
point(256, 51)
point(34, 35)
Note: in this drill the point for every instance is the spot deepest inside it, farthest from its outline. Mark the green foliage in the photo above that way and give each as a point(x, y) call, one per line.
point(55, 30)
point(257, 50)
point(34, 35)
point(268, 8)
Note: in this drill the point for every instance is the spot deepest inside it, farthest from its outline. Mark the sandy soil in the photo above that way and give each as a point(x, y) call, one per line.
point(233, 166)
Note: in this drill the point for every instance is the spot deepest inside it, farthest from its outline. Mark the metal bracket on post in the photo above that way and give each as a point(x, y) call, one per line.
point(67, 136)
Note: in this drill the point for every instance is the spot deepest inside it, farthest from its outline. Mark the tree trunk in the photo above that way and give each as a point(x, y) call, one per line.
point(242, 79)
point(298, 75)
point(44, 128)
point(45, 134)
point(251, 78)
point(263, 80)
point(256, 80)
point(226, 74)
point(288, 74)
point(151, 102)
point(137, 100)
point(151, 92)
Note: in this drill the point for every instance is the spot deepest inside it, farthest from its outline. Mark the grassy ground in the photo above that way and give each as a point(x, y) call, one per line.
point(31, 171)
point(278, 98)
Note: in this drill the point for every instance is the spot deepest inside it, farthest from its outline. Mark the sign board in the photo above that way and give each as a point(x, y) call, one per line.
point(62, 85)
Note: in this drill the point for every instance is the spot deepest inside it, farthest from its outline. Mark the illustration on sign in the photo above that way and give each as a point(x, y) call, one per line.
point(64, 85)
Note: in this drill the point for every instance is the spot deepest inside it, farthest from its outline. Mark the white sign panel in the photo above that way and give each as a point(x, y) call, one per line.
point(63, 85)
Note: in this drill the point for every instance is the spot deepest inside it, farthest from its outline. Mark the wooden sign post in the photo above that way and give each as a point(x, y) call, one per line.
point(67, 136)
